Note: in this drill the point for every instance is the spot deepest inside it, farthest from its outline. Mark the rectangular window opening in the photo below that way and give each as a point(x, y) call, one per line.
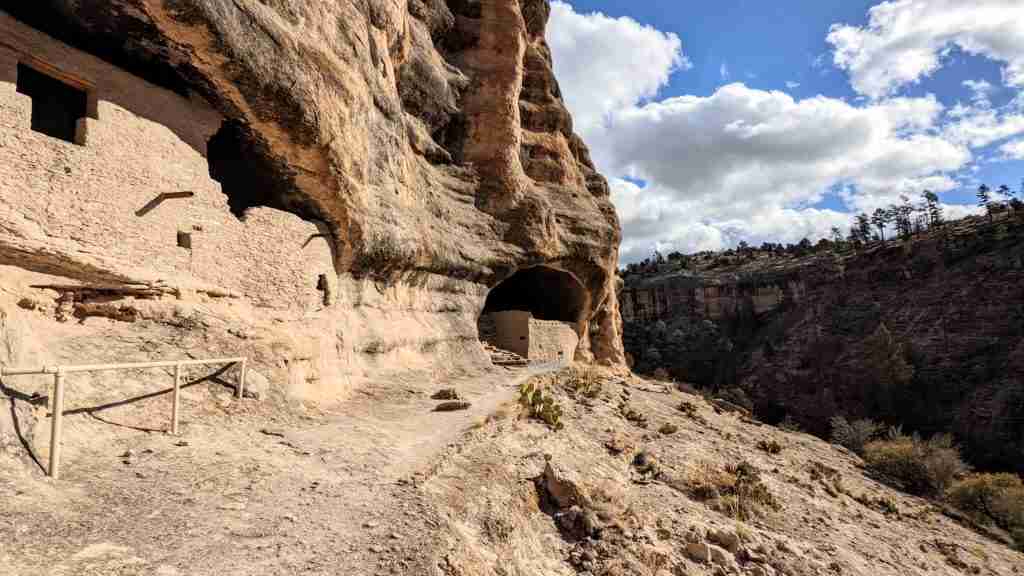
point(56, 106)
point(184, 240)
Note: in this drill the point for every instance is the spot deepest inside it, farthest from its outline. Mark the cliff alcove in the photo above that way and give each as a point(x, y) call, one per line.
point(547, 293)
point(245, 176)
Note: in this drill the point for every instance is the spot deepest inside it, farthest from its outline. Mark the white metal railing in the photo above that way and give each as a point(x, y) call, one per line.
point(60, 372)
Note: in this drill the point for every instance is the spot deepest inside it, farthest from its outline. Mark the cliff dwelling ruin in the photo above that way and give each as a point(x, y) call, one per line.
point(323, 218)
point(535, 314)
point(146, 175)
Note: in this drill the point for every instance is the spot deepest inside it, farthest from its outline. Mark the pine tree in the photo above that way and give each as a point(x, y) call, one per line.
point(880, 218)
point(985, 199)
point(891, 369)
point(902, 213)
point(933, 208)
point(864, 227)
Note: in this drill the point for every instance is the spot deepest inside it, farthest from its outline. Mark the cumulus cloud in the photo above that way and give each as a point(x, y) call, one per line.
point(696, 172)
point(1013, 150)
point(980, 90)
point(906, 40)
point(980, 125)
point(752, 164)
point(597, 62)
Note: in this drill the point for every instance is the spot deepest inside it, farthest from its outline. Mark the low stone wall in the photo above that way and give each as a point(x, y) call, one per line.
point(512, 331)
point(537, 340)
point(551, 341)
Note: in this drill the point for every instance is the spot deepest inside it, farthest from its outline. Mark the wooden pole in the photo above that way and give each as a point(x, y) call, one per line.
point(176, 401)
point(57, 425)
point(241, 380)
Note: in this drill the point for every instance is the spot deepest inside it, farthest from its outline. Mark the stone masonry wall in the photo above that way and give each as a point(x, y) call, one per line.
point(139, 142)
point(552, 340)
point(512, 331)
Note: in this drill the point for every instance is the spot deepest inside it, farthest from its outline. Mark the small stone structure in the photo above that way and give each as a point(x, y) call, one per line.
point(537, 340)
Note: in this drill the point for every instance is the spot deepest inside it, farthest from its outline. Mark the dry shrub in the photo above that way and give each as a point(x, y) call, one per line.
point(923, 467)
point(830, 479)
point(584, 382)
point(997, 498)
point(770, 446)
point(737, 491)
point(884, 504)
point(854, 435)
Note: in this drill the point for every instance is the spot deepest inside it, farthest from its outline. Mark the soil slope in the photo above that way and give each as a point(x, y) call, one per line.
point(384, 485)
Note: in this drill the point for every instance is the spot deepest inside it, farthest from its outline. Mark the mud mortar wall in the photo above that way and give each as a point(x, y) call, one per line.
point(104, 197)
point(551, 340)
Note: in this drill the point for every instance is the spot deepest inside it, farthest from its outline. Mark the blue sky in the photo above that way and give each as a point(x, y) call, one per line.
point(749, 120)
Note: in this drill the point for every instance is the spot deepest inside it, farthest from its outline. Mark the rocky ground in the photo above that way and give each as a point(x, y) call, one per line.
point(383, 484)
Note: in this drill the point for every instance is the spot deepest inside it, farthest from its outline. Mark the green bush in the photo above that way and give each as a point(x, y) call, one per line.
point(853, 435)
point(998, 498)
point(923, 467)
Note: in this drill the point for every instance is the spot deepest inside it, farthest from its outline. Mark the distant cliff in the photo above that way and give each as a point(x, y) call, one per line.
point(926, 332)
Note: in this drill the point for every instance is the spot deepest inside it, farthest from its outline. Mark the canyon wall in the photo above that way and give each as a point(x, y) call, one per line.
point(926, 332)
point(331, 188)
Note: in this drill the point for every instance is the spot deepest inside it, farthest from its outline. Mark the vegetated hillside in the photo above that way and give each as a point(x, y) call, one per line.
point(926, 331)
point(601, 475)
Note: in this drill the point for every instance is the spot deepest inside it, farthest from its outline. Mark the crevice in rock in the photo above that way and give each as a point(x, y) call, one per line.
point(239, 160)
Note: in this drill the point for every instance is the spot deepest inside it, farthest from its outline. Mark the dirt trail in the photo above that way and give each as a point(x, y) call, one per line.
point(246, 488)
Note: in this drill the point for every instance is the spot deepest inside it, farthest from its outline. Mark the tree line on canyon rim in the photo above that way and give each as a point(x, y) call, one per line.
point(906, 217)
point(959, 399)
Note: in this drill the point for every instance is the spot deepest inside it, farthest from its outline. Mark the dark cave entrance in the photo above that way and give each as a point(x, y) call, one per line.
point(237, 160)
point(547, 293)
point(540, 293)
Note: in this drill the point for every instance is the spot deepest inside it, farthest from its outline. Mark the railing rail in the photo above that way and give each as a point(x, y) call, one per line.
point(60, 373)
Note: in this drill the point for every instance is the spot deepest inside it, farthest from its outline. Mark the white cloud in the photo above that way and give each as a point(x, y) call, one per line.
point(751, 164)
point(906, 40)
point(1013, 150)
point(980, 90)
point(597, 60)
point(755, 165)
point(742, 143)
point(980, 125)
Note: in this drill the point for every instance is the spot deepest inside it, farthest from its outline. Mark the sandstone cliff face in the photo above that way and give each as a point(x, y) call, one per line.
point(952, 361)
point(426, 138)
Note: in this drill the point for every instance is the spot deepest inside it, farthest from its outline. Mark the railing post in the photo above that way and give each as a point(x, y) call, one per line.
point(176, 400)
point(57, 425)
point(241, 380)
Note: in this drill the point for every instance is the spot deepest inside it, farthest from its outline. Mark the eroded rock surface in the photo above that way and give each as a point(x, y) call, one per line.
point(424, 141)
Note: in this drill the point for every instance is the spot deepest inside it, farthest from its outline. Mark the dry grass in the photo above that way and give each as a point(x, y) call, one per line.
point(995, 498)
point(736, 491)
point(924, 467)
